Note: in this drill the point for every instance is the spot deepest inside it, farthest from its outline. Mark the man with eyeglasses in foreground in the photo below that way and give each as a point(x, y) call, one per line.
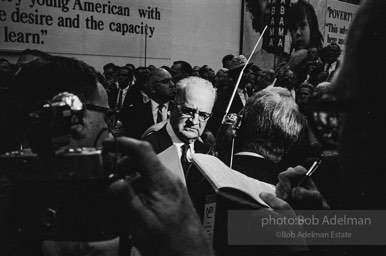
point(22, 231)
point(192, 109)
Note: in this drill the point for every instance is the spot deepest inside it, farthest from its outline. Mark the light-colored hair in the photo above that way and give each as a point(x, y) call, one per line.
point(272, 124)
point(192, 82)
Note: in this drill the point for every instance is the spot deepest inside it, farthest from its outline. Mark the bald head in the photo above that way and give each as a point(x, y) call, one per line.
point(157, 75)
point(160, 84)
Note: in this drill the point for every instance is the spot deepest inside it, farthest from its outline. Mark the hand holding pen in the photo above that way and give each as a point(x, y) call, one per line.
point(305, 196)
point(313, 168)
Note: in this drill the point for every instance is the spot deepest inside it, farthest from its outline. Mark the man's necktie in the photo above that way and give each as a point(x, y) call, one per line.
point(159, 113)
point(119, 101)
point(184, 159)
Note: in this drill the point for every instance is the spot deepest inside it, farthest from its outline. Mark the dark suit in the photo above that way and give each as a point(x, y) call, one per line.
point(160, 140)
point(133, 97)
point(255, 167)
point(136, 119)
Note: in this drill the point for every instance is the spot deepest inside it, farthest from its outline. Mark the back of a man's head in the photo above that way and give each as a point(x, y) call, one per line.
point(40, 81)
point(29, 55)
point(271, 124)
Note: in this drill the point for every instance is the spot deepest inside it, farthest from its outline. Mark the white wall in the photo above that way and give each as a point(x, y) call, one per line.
point(202, 32)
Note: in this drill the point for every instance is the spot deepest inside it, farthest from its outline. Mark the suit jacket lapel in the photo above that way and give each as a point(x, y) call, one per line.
point(165, 140)
point(148, 114)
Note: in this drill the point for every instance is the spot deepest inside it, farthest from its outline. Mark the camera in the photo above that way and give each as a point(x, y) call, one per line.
point(54, 194)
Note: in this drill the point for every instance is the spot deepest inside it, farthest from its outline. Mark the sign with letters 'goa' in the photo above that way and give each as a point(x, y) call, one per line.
point(95, 27)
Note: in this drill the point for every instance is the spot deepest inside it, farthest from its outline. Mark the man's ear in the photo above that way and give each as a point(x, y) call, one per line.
point(152, 88)
point(78, 131)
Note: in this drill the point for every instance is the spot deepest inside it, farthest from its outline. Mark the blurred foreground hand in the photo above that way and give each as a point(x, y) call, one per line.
point(157, 211)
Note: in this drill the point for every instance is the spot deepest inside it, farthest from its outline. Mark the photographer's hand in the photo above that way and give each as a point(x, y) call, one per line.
point(157, 210)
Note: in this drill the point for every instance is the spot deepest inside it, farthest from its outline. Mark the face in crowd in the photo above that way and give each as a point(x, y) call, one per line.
point(332, 53)
point(194, 102)
point(301, 35)
point(94, 122)
point(177, 73)
point(124, 76)
point(161, 85)
point(304, 94)
point(110, 75)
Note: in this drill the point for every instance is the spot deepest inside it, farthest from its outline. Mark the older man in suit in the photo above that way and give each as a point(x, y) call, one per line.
point(192, 108)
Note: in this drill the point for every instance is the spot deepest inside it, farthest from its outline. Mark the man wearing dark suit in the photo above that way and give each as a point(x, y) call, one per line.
point(118, 95)
point(194, 101)
point(330, 55)
point(136, 119)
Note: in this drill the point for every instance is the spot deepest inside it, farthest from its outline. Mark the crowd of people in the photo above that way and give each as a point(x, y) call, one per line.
point(269, 126)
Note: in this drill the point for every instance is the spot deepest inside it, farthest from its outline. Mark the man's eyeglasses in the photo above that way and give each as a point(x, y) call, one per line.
point(190, 112)
point(163, 81)
point(111, 115)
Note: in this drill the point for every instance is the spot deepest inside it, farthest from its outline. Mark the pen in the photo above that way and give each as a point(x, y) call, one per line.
point(313, 168)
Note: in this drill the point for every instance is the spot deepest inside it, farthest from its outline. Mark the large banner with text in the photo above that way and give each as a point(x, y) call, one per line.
point(95, 27)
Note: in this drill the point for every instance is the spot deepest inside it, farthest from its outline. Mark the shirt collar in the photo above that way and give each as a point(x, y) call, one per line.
point(124, 89)
point(145, 97)
point(173, 136)
point(154, 105)
point(178, 143)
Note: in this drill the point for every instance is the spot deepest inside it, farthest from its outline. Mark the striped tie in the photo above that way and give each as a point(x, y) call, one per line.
point(159, 113)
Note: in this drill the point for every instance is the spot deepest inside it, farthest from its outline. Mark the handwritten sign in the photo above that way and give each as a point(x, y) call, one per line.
point(339, 16)
point(95, 27)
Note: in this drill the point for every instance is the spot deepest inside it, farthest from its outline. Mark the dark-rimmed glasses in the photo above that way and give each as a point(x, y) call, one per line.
point(111, 115)
point(163, 81)
point(190, 112)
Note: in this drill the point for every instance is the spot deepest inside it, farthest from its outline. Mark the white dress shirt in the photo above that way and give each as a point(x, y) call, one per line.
point(178, 143)
point(154, 108)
